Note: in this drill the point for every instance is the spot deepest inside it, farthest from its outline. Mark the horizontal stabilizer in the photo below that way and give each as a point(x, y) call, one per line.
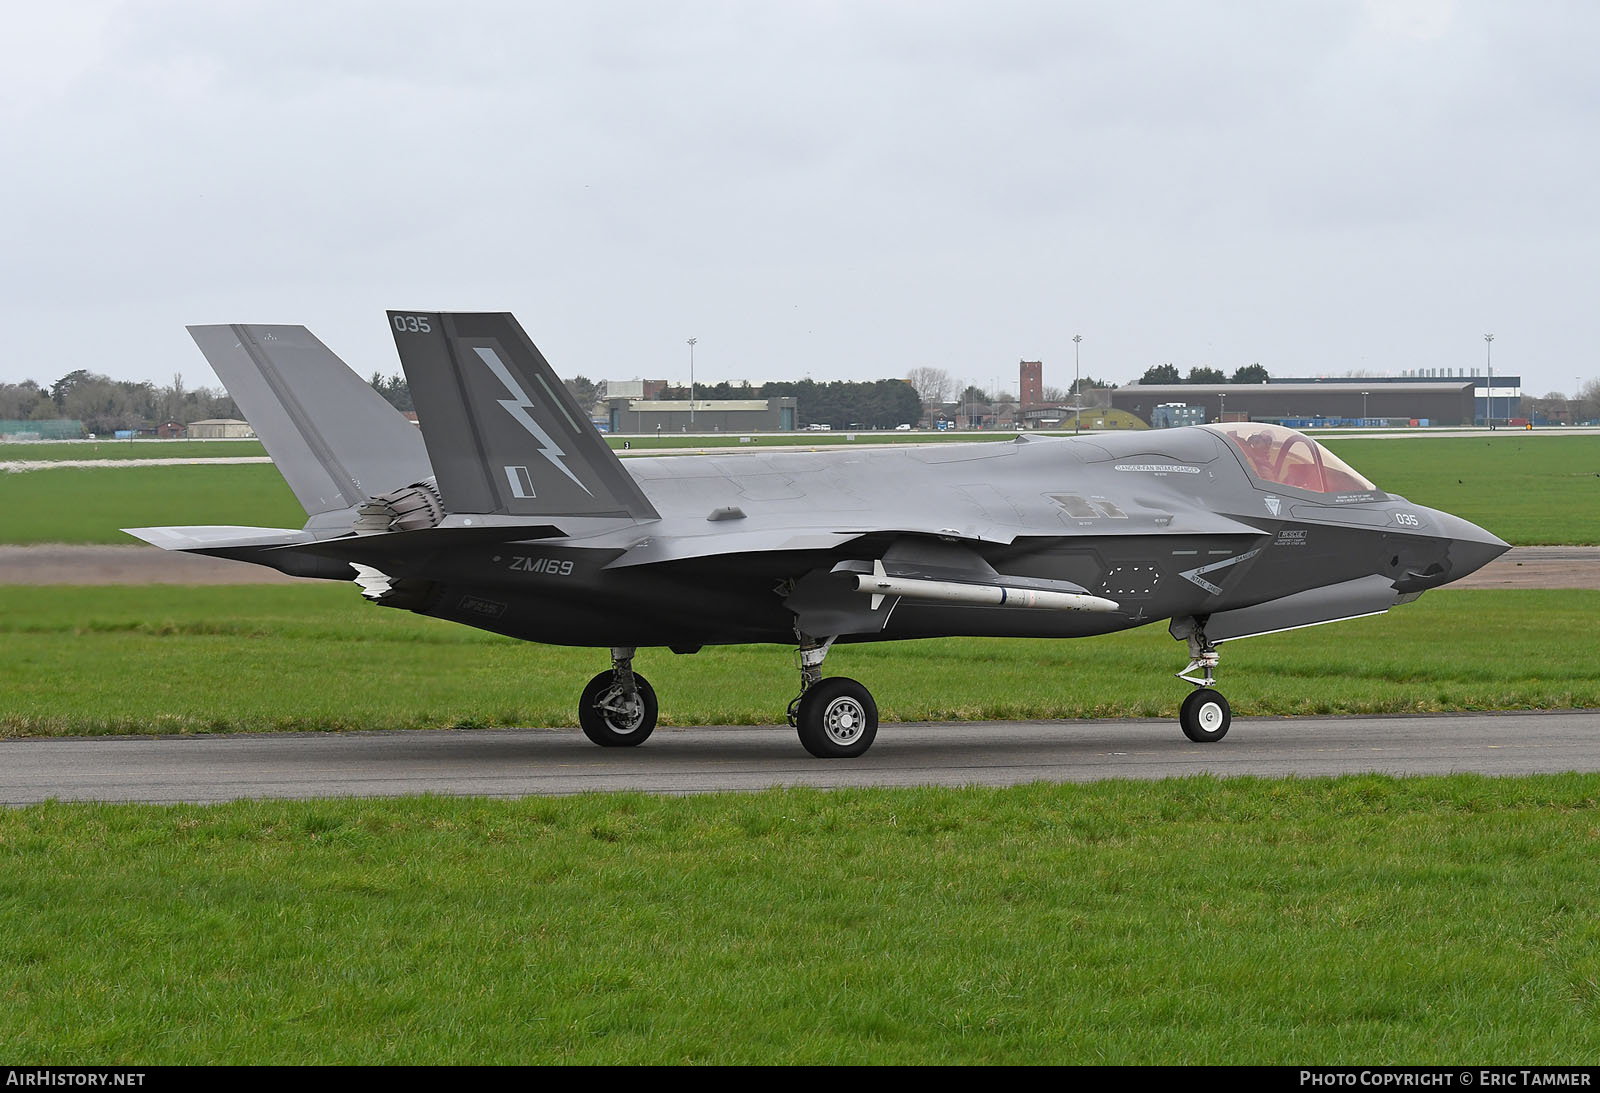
point(373, 549)
point(217, 537)
point(504, 435)
point(334, 439)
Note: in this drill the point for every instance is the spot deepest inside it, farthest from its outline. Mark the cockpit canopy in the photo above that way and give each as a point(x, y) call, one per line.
point(1284, 457)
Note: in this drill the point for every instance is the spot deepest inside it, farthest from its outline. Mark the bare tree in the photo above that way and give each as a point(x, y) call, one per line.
point(25, 400)
point(933, 385)
point(1587, 406)
point(172, 399)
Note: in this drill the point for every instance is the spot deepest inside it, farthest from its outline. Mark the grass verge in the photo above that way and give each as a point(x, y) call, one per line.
point(92, 504)
point(274, 658)
point(126, 449)
point(1364, 919)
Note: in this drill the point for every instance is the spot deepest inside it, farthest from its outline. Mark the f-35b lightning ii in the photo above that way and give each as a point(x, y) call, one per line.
point(508, 512)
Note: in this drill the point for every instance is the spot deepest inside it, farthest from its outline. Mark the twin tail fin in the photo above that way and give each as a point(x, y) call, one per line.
point(504, 435)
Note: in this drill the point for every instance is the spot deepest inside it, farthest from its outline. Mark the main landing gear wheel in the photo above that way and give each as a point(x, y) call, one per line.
point(612, 717)
point(1205, 716)
point(837, 719)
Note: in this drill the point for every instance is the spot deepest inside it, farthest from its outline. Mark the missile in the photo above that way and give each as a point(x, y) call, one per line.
point(880, 584)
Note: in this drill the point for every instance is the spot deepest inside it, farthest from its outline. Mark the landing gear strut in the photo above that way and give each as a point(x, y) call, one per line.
point(836, 718)
point(1205, 715)
point(618, 708)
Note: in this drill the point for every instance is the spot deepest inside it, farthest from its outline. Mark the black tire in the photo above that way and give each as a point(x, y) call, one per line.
point(1205, 716)
point(610, 719)
point(837, 719)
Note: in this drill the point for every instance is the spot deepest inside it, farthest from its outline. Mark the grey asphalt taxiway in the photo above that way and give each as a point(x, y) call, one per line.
point(525, 762)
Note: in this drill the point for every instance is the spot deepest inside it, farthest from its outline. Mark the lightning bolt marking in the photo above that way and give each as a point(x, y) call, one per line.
point(518, 406)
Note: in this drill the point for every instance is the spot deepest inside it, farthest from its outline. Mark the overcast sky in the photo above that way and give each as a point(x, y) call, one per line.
point(846, 190)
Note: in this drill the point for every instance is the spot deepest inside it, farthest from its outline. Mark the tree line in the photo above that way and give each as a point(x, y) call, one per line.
point(876, 404)
point(841, 404)
point(1168, 373)
point(937, 387)
point(105, 405)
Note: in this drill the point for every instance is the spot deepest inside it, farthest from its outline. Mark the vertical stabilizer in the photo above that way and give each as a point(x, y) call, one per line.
point(504, 434)
point(336, 441)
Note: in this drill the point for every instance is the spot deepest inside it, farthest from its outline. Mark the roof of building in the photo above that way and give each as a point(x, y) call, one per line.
point(1419, 387)
point(701, 405)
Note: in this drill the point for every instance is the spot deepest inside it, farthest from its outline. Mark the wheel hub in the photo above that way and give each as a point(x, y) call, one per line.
point(843, 720)
point(623, 712)
point(1210, 716)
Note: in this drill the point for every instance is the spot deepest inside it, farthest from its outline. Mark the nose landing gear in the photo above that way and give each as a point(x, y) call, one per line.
point(1205, 715)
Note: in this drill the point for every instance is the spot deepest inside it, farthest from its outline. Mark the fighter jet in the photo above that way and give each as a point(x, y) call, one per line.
point(508, 512)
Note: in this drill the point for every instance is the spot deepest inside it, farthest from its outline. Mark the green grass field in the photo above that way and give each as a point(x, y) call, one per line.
point(90, 504)
point(259, 658)
point(1539, 490)
point(1366, 919)
point(125, 449)
point(1526, 489)
point(1363, 920)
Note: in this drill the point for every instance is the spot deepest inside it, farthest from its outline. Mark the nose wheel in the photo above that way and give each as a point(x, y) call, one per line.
point(1205, 716)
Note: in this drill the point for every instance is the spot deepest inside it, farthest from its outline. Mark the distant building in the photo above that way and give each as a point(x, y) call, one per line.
point(1030, 382)
point(41, 429)
point(645, 416)
point(1172, 415)
point(1299, 403)
point(636, 389)
point(220, 428)
point(1045, 416)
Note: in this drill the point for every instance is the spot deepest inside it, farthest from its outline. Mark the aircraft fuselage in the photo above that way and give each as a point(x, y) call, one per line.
point(1166, 524)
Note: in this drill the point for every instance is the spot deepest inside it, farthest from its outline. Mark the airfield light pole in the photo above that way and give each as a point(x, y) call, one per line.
point(1488, 359)
point(691, 379)
point(1077, 395)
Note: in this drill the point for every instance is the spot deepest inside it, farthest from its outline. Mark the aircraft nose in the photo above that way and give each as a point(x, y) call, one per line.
point(1468, 547)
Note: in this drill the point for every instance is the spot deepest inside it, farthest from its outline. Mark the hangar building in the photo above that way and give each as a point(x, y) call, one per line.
point(756, 415)
point(1372, 400)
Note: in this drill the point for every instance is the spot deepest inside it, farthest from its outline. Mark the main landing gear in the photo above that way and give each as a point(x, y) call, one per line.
point(618, 708)
point(836, 718)
point(1205, 715)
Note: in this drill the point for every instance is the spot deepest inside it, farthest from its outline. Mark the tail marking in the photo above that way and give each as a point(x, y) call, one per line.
point(518, 406)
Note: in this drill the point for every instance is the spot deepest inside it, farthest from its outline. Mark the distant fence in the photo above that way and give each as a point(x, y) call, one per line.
point(46, 429)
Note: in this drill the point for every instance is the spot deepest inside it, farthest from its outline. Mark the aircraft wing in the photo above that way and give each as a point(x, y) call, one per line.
point(679, 540)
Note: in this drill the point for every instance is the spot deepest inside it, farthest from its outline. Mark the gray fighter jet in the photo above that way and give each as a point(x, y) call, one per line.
point(508, 512)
